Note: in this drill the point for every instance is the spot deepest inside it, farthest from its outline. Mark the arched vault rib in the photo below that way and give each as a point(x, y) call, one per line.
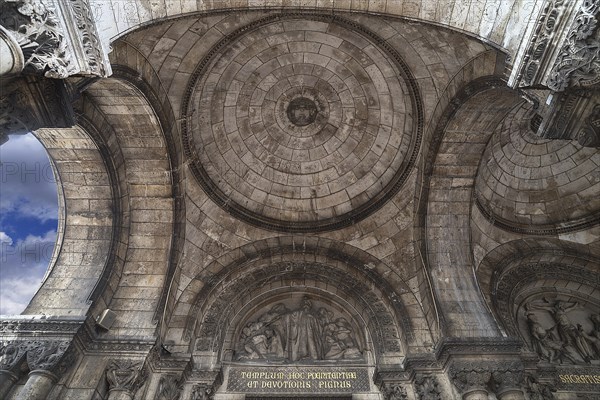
point(448, 201)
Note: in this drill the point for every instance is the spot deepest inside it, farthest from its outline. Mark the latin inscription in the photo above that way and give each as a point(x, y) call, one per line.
point(298, 380)
point(579, 379)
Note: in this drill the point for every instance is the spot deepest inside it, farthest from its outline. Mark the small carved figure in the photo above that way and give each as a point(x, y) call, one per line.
point(202, 391)
point(543, 341)
point(300, 334)
point(568, 332)
point(169, 388)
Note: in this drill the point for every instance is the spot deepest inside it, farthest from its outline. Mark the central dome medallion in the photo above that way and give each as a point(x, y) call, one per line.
point(301, 124)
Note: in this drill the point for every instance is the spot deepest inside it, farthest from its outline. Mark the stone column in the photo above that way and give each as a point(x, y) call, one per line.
point(124, 378)
point(471, 380)
point(11, 55)
point(11, 356)
point(507, 381)
point(38, 386)
point(7, 380)
point(43, 357)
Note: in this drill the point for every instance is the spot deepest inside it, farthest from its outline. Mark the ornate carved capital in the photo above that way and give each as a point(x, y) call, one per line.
point(58, 38)
point(11, 355)
point(125, 375)
point(537, 390)
point(427, 388)
point(52, 356)
point(169, 388)
point(393, 391)
point(203, 391)
point(470, 376)
point(507, 377)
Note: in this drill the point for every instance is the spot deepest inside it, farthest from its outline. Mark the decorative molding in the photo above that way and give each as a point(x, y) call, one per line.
point(536, 59)
point(58, 38)
point(578, 62)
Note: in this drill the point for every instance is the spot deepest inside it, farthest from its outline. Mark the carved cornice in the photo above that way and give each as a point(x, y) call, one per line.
point(58, 38)
point(39, 326)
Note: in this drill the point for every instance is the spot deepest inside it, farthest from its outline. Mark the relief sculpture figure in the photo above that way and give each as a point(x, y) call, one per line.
point(572, 336)
point(544, 343)
point(297, 335)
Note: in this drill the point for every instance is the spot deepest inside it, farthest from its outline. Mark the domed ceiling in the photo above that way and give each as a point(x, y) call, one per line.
point(302, 124)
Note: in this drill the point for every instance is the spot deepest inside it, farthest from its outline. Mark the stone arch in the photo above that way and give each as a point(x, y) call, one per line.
point(487, 22)
point(450, 166)
point(137, 149)
point(513, 267)
point(85, 178)
point(329, 264)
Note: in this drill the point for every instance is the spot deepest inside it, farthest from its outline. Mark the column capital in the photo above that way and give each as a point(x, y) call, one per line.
point(470, 376)
point(125, 375)
point(58, 38)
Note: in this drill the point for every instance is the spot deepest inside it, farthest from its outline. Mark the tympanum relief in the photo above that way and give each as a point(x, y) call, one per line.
point(307, 332)
point(561, 331)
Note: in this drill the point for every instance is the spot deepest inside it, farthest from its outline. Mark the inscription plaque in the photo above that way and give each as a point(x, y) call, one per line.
point(297, 380)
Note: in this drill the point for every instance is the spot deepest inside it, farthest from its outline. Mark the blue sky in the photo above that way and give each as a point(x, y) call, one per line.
point(28, 220)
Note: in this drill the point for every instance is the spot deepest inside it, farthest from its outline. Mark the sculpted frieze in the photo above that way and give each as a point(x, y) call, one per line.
point(569, 333)
point(302, 333)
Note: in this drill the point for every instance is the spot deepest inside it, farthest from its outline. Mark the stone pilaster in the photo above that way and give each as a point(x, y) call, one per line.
point(12, 355)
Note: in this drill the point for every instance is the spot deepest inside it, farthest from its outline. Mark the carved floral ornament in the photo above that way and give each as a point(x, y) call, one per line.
point(578, 63)
point(42, 32)
point(303, 334)
point(40, 355)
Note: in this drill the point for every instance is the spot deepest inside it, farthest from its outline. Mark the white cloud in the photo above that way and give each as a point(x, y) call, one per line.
point(5, 239)
point(26, 176)
point(22, 267)
point(16, 293)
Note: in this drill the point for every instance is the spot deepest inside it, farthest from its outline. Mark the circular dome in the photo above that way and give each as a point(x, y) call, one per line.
point(301, 124)
point(528, 181)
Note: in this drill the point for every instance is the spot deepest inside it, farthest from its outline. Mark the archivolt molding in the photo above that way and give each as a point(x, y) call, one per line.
point(326, 267)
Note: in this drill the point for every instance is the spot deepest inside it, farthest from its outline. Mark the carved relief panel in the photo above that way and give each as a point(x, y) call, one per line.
point(299, 329)
point(562, 330)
